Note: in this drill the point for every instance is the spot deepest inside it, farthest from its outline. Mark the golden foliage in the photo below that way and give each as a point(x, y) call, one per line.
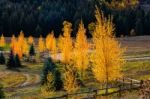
point(66, 43)
point(13, 42)
point(41, 45)
point(30, 40)
point(70, 81)
point(46, 91)
point(51, 44)
point(121, 4)
point(60, 43)
point(19, 46)
point(2, 41)
point(18, 50)
point(81, 50)
point(107, 57)
point(54, 48)
point(49, 41)
point(25, 48)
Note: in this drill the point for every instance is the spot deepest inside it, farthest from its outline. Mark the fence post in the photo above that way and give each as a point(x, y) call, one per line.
point(123, 82)
point(95, 95)
point(141, 83)
point(120, 90)
point(66, 96)
point(131, 83)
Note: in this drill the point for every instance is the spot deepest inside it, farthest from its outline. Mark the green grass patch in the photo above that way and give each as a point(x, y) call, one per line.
point(137, 70)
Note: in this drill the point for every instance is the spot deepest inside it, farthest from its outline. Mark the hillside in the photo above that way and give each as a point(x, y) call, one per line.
point(37, 17)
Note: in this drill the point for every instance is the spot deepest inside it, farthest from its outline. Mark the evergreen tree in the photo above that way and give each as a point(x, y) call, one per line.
point(11, 60)
point(32, 50)
point(58, 84)
point(17, 61)
point(2, 95)
point(51, 76)
point(49, 66)
point(2, 58)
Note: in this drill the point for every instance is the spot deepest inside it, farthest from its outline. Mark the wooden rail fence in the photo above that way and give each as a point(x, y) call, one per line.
point(125, 84)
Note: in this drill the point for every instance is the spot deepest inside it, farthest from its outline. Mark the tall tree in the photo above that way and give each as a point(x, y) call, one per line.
point(66, 40)
point(41, 45)
point(2, 41)
point(30, 40)
point(81, 50)
point(25, 48)
point(13, 42)
point(107, 56)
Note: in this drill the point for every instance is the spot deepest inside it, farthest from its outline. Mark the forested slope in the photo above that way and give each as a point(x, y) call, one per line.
point(37, 17)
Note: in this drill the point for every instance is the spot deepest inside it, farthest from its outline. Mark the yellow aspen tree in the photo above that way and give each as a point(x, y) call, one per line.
point(54, 48)
point(41, 45)
point(81, 50)
point(13, 42)
point(20, 44)
point(21, 38)
point(25, 48)
point(67, 42)
point(70, 81)
point(18, 50)
point(47, 40)
point(30, 40)
point(50, 40)
point(60, 43)
point(107, 56)
point(2, 41)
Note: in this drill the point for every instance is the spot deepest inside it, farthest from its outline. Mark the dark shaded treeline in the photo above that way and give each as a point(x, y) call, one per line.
point(37, 17)
point(42, 16)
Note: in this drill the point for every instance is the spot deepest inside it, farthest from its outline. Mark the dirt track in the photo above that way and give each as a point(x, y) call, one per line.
point(136, 44)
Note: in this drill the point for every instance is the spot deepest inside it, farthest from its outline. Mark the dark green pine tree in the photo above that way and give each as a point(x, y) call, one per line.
point(32, 50)
point(49, 66)
point(11, 61)
point(17, 61)
point(2, 95)
point(2, 58)
point(58, 83)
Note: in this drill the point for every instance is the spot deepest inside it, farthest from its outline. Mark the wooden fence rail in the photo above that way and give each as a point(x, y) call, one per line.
point(125, 84)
